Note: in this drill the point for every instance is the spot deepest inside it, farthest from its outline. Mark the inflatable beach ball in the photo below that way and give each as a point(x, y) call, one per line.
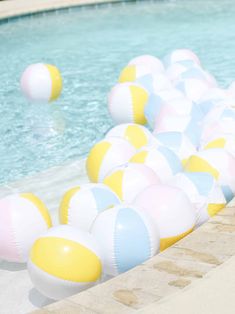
point(220, 164)
point(178, 142)
point(137, 135)
point(149, 61)
point(179, 55)
point(177, 69)
point(127, 238)
point(155, 82)
point(226, 141)
point(41, 82)
point(160, 159)
point(106, 155)
point(133, 72)
point(193, 88)
point(186, 124)
point(220, 120)
point(203, 191)
point(170, 209)
point(81, 205)
point(214, 97)
point(126, 103)
point(64, 261)
point(23, 218)
point(129, 180)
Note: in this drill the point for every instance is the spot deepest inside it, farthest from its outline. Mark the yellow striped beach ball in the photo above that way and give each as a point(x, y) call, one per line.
point(126, 103)
point(41, 82)
point(160, 159)
point(129, 180)
point(137, 135)
point(106, 155)
point(133, 72)
point(64, 261)
point(81, 204)
point(170, 209)
point(23, 218)
point(220, 164)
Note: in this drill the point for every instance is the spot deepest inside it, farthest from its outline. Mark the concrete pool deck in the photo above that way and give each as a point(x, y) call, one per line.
point(14, 8)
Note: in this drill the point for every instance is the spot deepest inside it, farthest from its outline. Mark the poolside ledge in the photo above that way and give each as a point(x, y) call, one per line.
point(14, 8)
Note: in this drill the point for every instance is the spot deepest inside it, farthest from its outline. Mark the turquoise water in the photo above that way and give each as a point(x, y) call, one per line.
point(90, 46)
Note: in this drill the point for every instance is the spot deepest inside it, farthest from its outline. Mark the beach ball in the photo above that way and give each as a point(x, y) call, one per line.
point(64, 261)
point(149, 61)
point(137, 135)
point(23, 218)
point(179, 55)
point(126, 103)
point(193, 88)
point(220, 164)
point(220, 120)
point(170, 209)
point(106, 155)
point(186, 124)
point(160, 159)
point(41, 82)
point(81, 204)
point(212, 98)
point(176, 70)
point(226, 141)
point(203, 191)
point(155, 82)
point(178, 142)
point(127, 238)
point(133, 72)
point(129, 180)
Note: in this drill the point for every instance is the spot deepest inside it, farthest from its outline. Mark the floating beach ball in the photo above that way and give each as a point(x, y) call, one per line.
point(212, 98)
point(149, 61)
point(41, 82)
point(160, 159)
point(179, 55)
point(176, 70)
point(137, 135)
point(155, 83)
point(226, 141)
point(129, 180)
point(170, 209)
point(23, 218)
point(64, 261)
point(178, 142)
point(203, 191)
point(133, 72)
point(127, 238)
point(106, 155)
point(220, 120)
point(231, 89)
point(81, 205)
point(220, 164)
point(193, 88)
point(186, 124)
point(126, 103)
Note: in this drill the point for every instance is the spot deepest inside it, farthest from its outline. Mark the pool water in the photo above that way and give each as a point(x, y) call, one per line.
point(90, 46)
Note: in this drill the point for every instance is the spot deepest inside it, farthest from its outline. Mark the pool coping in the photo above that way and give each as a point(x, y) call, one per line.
point(14, 9)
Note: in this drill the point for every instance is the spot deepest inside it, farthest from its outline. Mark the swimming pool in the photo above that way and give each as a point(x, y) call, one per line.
point(90, 45)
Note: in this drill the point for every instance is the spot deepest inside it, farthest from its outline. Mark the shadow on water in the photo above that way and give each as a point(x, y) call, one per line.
point(37, 299)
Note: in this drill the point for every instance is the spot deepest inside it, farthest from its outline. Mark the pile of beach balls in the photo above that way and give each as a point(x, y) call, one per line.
point(162, 171)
